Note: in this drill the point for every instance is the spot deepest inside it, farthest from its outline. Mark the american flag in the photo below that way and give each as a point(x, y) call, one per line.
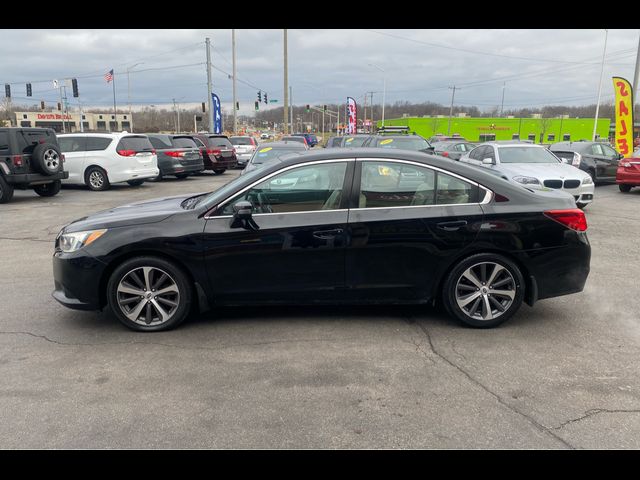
point(109, 75)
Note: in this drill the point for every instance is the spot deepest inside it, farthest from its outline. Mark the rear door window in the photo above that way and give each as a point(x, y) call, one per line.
point(135, 143)
point(596, 149)
point(96, 144)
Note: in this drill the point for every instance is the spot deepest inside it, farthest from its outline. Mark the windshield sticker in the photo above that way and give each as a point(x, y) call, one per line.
point(349, 140)
point(265, 149)
point(388, 140)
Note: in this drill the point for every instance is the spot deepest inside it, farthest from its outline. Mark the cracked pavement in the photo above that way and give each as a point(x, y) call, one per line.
point(561, 375)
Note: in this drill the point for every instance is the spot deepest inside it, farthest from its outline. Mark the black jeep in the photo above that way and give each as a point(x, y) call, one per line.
point(30, 158)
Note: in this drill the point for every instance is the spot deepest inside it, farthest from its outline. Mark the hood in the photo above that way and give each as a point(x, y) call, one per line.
point(541, 171)
point(150, 211)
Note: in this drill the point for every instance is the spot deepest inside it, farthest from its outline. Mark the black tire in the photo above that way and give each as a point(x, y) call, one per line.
point(581, 206)
point(6, 191)
point(135, 183)
point(174, 273)
point(454, 283)
point(48, 189)
point(624, 188)
point(592, 174)
point(96, 179)
point(220, 172)
point(47, 158)
point(158, 178)
point(181, 176)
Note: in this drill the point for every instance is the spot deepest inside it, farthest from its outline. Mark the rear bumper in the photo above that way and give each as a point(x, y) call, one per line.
point(34, 178)
point(220, 162)
point(173, 169)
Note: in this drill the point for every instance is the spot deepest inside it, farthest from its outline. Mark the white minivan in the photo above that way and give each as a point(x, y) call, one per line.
point(99, 159)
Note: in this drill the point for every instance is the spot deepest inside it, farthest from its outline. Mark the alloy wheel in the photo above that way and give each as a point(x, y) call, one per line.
point(51, 160)
point(96, 179)
point(148, 296)
point(485, 291)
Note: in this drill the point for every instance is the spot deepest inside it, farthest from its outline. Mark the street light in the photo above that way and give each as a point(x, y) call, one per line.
point(384, 89)
point(129, 93)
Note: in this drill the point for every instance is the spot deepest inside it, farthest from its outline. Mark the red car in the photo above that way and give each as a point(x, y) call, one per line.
point(217, 152)
point(628, 173)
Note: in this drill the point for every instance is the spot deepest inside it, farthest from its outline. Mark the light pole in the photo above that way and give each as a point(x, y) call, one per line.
point(129, 93)
point(384, 88)
point(595, 123)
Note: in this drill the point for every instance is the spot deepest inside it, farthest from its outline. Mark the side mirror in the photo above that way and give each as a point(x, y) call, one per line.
point(487, 161)
point(620, 156)
point(242, 216)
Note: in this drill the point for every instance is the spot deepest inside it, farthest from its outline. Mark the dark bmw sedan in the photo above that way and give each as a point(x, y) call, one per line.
point(340, 226)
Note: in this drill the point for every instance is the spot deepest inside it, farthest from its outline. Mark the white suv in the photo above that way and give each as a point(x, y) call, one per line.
point(99, 159)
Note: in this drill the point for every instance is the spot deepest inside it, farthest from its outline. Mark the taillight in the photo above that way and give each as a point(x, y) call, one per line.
point(174, 153)
point(234, 151)
point(17, 160)
point(126, 153)
point(574, 218)
point(153, 151)
point(214, 152)
point(444, 154)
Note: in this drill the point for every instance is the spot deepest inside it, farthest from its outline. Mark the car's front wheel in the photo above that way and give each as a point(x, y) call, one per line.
point(149, 294)
point(483, 290)
point(220, 171)
point(624, 188)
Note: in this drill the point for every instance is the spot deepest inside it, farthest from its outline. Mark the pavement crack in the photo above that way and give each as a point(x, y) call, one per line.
point(591, 413)
point(500, 400)
point(186, 347)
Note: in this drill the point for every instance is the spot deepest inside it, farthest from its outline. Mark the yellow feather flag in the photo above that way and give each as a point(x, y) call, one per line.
point(624, 116)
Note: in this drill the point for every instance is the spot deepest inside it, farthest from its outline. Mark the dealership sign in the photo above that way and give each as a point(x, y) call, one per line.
point(53, 116)
point(624, 115)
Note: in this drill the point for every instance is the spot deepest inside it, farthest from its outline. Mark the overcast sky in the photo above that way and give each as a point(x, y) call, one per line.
point(325, 66)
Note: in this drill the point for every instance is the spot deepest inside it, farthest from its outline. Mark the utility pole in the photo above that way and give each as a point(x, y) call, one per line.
point(595, 122)
point(291, 106)
point(451, 108)
point(635, 76)
point(233, 50)
point(176, 126)
point(364, 107)
point(64, 128)
point(502, 104)
point(286, 86)
point(209, 101)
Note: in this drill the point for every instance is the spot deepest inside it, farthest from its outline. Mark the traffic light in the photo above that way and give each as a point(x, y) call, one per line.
point(324, 107)
point(41, 104)
point(28, 89)
point(7, 90)
point(59, 106)
point(265, 98)
point(308, 107)
point(203, 109)
point(237, 105)
point(257, 105)
point(74, 85)
point(259, 96)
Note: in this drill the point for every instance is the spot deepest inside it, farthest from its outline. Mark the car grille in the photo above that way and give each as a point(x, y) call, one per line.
point(571, 183)
point(553, 183)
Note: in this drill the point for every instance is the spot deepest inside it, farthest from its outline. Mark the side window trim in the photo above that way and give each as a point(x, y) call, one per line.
point(213, 211)
point(485, 194)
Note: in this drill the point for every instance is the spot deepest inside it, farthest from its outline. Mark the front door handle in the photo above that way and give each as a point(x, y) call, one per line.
point(327, 234)
point(451, 226)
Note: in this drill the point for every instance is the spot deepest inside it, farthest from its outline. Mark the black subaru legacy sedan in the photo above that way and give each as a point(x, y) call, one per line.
point(337, 226)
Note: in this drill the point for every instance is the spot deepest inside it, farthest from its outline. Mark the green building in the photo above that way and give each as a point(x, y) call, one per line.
point(540, 130)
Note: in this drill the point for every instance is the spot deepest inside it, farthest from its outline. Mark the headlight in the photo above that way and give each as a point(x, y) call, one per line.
point(71, 242)
point(527, 180)
point(587, 181)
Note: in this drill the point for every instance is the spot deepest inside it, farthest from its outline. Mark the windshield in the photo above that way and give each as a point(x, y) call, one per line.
point(267, 154)
point(408, 143)
point(526, 155)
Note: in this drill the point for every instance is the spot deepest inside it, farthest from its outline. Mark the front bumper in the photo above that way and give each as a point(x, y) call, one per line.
point(76, 278)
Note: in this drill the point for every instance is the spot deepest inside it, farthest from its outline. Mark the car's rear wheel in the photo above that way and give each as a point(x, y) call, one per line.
point(592, 174)
point(182, 176)
point(135, 183)
point(149, 294)
point(483, 290)
point(624, 188)
point(48, 189)
point(6, 191)
point(220, 171)
point(96, 179)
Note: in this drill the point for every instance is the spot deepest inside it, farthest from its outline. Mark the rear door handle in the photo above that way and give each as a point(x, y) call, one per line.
point(327, 234)
point(451, 226)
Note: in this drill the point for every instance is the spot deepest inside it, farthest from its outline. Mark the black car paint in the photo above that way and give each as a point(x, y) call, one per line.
point(391, 255)
point(601, 167)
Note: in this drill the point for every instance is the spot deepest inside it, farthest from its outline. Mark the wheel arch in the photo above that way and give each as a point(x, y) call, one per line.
point(196, 288)
point(86, 169)
point(530, 285)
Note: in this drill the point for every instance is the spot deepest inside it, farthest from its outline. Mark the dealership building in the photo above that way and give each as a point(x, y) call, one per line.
point(70, 122)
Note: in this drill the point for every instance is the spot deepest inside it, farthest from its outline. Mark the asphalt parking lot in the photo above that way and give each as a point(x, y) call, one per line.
point(561, 375)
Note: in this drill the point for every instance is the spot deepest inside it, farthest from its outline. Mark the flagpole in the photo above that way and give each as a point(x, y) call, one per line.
point(115, 112)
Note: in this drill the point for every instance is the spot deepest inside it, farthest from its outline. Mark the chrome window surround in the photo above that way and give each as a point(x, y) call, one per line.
point(485, 200)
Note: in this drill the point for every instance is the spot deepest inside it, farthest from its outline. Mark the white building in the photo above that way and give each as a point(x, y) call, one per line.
point(91, 122)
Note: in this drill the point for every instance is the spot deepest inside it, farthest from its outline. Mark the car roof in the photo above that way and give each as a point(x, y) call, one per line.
point(101, 134)
point(284, 145)
point(511, 143)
